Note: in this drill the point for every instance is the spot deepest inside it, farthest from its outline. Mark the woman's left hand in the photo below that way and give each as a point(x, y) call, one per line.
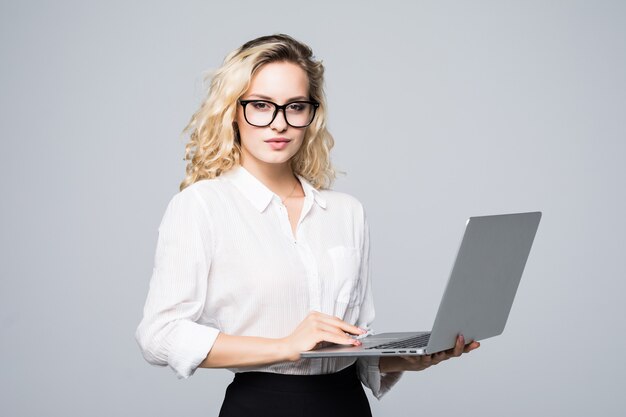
point(419, 363)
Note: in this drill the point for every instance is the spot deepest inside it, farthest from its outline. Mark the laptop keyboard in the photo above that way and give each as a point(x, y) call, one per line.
point(413, 342)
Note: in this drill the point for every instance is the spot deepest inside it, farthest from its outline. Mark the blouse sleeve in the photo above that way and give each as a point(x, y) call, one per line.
point(169, 333)
point(369, 373)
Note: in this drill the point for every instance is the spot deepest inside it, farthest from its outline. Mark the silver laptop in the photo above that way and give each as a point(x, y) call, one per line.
point(478, 296)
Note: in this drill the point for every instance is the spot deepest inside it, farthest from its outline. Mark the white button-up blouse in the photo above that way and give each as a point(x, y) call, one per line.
point(227, 261)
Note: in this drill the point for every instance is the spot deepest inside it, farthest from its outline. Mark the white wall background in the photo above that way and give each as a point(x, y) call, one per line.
point(440, 110)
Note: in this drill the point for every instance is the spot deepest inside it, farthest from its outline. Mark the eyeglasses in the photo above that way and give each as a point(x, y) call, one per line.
point(261, 113)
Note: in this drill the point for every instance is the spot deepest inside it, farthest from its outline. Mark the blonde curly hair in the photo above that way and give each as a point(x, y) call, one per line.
point(214, 145)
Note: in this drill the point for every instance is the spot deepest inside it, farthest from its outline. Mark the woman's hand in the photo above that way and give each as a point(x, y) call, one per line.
point(419, 363)
point(317, 328)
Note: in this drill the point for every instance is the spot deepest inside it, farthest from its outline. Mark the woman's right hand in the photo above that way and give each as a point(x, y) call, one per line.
point(317, 328)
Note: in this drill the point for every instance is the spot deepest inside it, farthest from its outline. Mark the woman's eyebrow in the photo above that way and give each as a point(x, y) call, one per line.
point(262, 97)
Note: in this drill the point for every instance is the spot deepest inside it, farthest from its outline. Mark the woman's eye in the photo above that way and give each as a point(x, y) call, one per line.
point(259, 105)
point(296, 107)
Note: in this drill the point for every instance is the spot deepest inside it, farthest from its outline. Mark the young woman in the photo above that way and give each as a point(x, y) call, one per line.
point(257, 259)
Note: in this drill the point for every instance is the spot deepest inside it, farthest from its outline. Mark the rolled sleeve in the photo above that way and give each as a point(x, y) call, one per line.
point(173, 331)
point(379, 382)
point(368, 370)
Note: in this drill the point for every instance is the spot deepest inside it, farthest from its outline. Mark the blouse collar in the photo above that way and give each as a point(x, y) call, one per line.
point(259, 195)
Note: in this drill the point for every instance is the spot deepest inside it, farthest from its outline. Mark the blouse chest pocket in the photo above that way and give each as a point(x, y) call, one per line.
point(346, 265)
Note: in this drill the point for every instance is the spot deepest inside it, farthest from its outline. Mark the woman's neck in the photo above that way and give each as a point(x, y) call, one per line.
point(279, 178)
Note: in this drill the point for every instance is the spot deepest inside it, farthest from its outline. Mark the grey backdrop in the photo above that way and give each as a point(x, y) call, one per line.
point(440, 111)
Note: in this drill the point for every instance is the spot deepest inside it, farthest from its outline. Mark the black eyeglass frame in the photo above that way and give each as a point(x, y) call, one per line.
point(277, 108)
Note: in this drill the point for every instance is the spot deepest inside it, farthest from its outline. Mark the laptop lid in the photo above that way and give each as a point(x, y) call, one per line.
point(484, 279)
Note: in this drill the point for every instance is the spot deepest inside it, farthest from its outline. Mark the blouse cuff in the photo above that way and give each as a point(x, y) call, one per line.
point(371, 377)
point(192, 342)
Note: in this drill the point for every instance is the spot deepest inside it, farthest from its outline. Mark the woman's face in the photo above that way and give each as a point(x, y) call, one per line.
point(281, 83)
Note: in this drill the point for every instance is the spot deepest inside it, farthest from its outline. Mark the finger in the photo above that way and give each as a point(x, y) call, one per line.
point(427, 360)
point(324, 322)
point(412, 359)
point(439, 357)
point(338, 339)
point(471, 346)
point(453, 350)
point(325, 328)
point(346, 327)
point(325, 332)
point(460, 344)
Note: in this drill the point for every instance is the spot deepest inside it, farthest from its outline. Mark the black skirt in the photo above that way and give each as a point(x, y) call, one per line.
point(261, 394)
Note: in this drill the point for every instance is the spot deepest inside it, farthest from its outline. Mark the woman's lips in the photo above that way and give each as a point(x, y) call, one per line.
point(277, 144)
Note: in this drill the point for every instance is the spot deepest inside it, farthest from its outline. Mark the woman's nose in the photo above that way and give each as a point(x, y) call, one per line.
point(280, 122)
